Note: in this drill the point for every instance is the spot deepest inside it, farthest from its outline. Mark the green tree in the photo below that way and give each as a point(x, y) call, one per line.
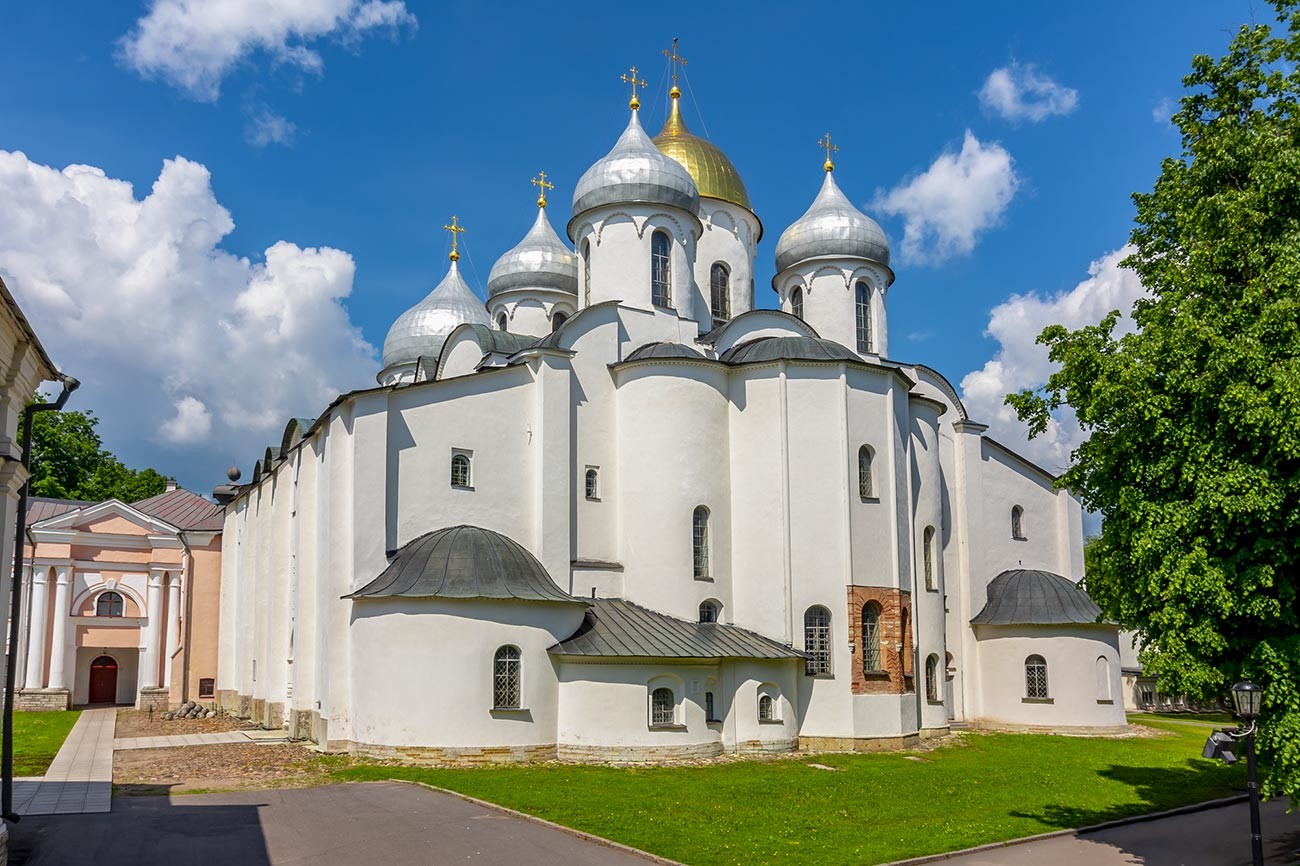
point(1193, 418)
point(69, 462)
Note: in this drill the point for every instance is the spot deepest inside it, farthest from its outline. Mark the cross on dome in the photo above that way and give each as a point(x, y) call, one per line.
point(456, 229)
point(825, 144)
point(542, 186)
point(675, 59)
point(631, 79)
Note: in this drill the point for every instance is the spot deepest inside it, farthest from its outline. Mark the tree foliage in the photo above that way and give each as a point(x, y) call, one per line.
point(69, 462)
point(1193, 418)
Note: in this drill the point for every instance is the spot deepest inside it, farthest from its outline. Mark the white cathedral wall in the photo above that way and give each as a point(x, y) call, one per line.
point(607, 706)
point(304, 615)
point(728, 237)
point(928, 605)
point(620, 238)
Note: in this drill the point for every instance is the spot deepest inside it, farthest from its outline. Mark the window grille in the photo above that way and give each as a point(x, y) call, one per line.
point(766, 708)
point(207, 687)
point(1036, 677)
point(661, 706)
point(1017, 522)
point(932, 678)
point(708, 611)
point(796, 302)
point(863, 305)
point(871, 659)
point(927, 543)
point(460, 470)
point(109, 604)
point(720, 292)
point(709, 714)
point(661, 285)
point(817, 640)
point(866, 489)
point(700, 541)
point(593, 490)
point(506, 671)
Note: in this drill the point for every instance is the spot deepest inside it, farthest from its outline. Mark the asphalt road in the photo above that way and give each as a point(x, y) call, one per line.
point(369, 824)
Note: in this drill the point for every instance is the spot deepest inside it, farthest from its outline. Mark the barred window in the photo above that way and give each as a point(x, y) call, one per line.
point(863, 305)
point(709, 610)
point(661, 706)
point(796, 302)
point(766, 708)
point(932, 678)
point(720, 292)
point(817, 640)
point(927, 544)
point(700, 541)
point(1036, 677)
point(207, 687)
point(710, 715)
point(506, 670)
point(109, 604)
point(661, 283)
point(460, 470)
point(871, 659)
point(866, 487)
point(592, 484)
point(1017, 522)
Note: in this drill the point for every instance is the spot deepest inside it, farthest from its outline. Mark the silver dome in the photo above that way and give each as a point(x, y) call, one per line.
point(421, 330)
point(636, 171)
point(539, 261)
point(832, 228)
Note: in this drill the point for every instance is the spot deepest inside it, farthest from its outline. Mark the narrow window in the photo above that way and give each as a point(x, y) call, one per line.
point(720, 292)
point(1017, 523)
point(863, 305)
point(709, 714)
point(207, 687)
point(586, 273)
point(932, 679)
point(1103, 679)
point(796, 302)
point(506, 691)
point(661, 706)
point(501, 322)
point(866, 488)
point(1036, 677)
point(700, 541)
point(661, 284)
point(109, 604)
point(709, 610)
point(927, 544)
point(557, 320)
point(592, 484)
point(766, 708)
point(460, 470)
point(817, 640)
point(871, 660)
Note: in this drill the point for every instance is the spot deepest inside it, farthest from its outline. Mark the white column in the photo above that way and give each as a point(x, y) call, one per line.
point(59, 633)
point(173, 626)
point(24, 630)
point(36, 640)
point(148, 678)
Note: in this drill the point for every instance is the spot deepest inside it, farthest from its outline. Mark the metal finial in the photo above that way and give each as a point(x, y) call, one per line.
point(631, 79)
point(825, 143)
point(455, 228)
point(676, 59)
point(542, 186)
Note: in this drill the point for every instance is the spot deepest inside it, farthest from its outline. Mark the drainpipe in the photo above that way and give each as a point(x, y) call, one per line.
point(7, 747)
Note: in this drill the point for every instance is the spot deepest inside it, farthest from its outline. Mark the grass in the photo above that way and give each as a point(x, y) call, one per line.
point(874, 809)
point(37, 738)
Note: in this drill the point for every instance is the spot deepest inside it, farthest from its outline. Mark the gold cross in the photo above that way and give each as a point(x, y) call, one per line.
point(455, 228)
point(825, 143)
point(542, 186)
point(633, 103)
point(676, 59)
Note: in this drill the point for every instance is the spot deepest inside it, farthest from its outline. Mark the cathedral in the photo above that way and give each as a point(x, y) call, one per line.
point(618, 512)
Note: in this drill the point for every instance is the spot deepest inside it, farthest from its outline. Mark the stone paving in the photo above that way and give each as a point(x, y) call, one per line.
point(210, 739)
point(80, 779)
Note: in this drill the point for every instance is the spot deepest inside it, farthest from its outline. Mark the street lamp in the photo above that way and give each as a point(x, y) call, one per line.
point(1246, 699)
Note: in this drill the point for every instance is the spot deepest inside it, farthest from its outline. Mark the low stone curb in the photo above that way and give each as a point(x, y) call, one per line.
point(1091, 828)
point(589, 837)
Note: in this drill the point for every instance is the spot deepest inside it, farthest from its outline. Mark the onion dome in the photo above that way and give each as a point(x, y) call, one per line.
point(832, 228)
point(421, 330)
point(539, 261)
point(635, 171)
point(714, 175)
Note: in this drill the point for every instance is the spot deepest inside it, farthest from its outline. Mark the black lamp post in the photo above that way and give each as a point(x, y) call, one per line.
point(1246, 698)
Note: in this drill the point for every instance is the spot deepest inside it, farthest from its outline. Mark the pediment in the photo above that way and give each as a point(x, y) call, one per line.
point(110, 517)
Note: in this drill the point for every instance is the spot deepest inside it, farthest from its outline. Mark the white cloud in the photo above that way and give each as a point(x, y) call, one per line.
point(266, 127)
point(193, 44)
point(1019, 92)
point(184, 348)
point(1021, 363)
point(960, 195)
point(1163, 110)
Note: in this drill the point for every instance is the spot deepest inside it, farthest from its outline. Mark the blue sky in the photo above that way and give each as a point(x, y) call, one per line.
point(364, 135)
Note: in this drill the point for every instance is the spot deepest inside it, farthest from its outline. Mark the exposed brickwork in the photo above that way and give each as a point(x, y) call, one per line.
point(857, 744)
point(637, 754)
point(42, 700)
point(895, 609)
point(153, 699)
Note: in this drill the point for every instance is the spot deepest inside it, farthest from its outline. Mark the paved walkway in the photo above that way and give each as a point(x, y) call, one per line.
point(80, 779)
point(252, 736)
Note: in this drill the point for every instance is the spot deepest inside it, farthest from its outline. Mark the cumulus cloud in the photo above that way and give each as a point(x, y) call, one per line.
point(1021, 363)
point(191, 355)
point(1019, 93)
point(193, 44)
point(265, 127)
point(959, 196)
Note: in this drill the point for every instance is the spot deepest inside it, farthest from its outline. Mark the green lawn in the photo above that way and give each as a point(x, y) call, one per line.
point(37, 738)
point(873, 809)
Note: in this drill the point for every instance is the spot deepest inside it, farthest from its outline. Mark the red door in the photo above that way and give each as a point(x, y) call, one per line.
point(103, 681)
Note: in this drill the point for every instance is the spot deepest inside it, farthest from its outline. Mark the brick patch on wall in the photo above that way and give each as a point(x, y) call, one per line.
point(895, 609)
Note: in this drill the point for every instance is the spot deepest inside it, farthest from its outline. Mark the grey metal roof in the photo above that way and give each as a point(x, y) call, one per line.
point(539, 261)
point(787, 349)
point(502, 342)
point(614, 627)
point(185, 510)
point(422, 329)
point(43, 508)
point(832, 228)
point(1025, 596)
point(464, 562)
point(662, 350)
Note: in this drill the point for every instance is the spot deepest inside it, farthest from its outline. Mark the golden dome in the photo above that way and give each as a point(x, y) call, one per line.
point(713, 173)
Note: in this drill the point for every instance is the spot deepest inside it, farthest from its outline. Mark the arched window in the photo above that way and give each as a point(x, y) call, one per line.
point(661, 281)
point(1017, 522)
point(109, 604)
point(557, 320)
point(796, 302)
point(927, 545)
point(506, 678)
point(866, 488)
point(766, 708)
point(817, 640)
point(586, 273)
point(871, 659)
point(862, 302)
point(709, 610)
point(932, 678)
point(460, 470)
point(592, 484)
point(1103, 680)
point(661, 706)
point(720, 292)
point(1036, 677)
point(700, 541)
point(502, 321)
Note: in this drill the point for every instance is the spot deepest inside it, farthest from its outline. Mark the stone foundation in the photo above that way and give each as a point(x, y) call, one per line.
point(302, 725)
point(935, 733)
point(243, 707)
point(767, 746)
point(583, 754)
point(858, 744)
point(228, 700)
point(43, 700)
point(465, 756)
point(1064, 730)
point(153, 699)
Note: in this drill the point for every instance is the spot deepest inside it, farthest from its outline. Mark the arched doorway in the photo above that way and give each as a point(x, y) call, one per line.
point(103, 680)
